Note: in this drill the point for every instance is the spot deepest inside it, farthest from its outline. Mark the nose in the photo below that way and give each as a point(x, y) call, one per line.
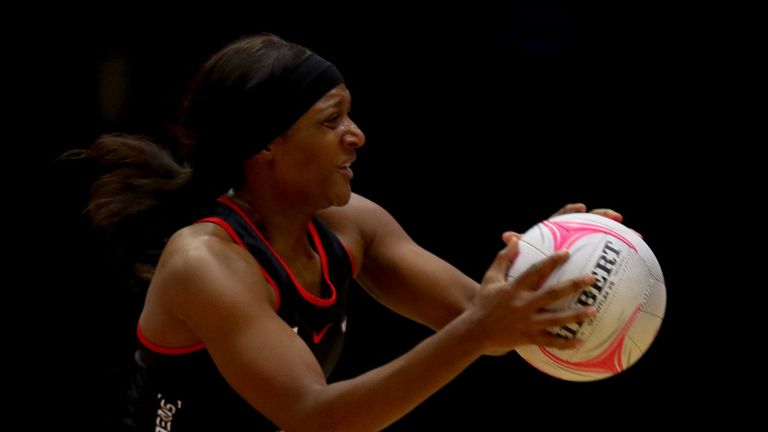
point(352, 137)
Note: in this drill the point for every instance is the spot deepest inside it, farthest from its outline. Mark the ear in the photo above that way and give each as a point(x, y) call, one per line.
point(268, 152)
point(265, 154)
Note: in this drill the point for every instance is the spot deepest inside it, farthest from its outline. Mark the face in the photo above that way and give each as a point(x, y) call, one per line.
point(311, 160)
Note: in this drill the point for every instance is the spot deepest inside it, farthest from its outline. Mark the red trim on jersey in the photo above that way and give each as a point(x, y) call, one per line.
point(167, 350)
point(315, 300)
point(274, 287)
point(222, 223)
point(323, 259)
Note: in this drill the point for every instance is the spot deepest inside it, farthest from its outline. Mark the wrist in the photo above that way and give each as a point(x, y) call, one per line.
point(469, 330)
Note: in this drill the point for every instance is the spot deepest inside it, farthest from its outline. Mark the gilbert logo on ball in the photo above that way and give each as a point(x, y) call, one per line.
point(629, 294)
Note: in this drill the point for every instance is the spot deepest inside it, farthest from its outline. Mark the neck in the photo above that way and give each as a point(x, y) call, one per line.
point(283, 223)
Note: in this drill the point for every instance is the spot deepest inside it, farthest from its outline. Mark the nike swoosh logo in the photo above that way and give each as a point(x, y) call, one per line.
point(318, 336)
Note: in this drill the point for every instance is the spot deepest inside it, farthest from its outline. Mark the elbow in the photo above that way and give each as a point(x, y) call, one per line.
point(316, 412)
point(321, 422)
point(324, 410)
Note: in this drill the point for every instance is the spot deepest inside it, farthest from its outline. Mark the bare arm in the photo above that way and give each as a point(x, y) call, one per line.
point(398, 272)
point(222, 297)
point(401, 274)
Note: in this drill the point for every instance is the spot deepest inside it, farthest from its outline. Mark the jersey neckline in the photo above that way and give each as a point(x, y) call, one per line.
point(308, 296)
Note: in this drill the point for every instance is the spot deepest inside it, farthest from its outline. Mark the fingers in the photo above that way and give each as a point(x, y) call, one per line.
point(610, 214)
point(560, 318)
point(581, 208)
point(563, 317)
point(498, 270)
point(509, 235)
point(547, 339)
point(561, 290)
point(532, 278)
point(571, 208)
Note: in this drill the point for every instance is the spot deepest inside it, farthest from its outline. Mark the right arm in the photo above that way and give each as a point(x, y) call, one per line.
point(272, 368)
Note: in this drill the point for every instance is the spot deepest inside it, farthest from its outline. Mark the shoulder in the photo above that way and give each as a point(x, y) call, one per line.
point(361, 224)
point(357, 206)
point(203, 280)
point(203, 261)
point(359, 219)
point(200, 248)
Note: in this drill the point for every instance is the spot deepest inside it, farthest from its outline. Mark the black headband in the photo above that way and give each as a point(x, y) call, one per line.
point(277, 102)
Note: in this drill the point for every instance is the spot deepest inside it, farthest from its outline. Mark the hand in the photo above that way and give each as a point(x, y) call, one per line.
point(511, 313)
point(581, 208)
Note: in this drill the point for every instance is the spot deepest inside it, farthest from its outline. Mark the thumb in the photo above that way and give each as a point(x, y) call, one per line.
point(497, 272)
point(509, 235)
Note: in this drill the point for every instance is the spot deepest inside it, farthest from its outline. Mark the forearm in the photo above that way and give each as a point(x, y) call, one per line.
point(458, 290)
point(378, 398)
point(425, 289)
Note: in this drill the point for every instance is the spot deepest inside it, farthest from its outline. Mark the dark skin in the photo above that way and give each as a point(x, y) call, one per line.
point(208, 290)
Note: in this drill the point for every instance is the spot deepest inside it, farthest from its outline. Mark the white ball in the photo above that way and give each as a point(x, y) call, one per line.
point(630, 295)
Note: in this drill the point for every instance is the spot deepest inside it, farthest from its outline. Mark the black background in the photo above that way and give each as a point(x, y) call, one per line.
point(478, 121)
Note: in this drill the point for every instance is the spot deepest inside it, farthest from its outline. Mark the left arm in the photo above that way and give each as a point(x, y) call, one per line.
point(401, 274)
point(398, 272)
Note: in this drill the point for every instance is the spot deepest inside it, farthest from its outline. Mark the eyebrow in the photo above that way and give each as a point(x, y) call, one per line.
point(330, 107)
point(336, 102)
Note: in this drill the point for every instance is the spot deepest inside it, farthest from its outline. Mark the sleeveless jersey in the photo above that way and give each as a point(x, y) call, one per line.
point(181, 390)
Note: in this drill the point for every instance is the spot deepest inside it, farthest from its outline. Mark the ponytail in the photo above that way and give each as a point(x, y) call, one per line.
point(140, 198)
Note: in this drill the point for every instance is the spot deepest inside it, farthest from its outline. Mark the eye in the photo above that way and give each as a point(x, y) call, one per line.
point(333, 120)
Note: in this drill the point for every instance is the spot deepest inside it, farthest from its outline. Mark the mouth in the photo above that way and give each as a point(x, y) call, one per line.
point(346, 169)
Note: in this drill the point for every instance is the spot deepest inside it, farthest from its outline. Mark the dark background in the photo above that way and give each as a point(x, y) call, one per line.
point(478, 121)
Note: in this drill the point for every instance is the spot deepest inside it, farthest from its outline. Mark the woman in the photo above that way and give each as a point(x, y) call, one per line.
point(245, 314)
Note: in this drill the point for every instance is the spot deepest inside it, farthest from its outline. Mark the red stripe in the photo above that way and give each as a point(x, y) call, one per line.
point(274, 287)
point(222, 223)
point(167, 350)
point(324, 261)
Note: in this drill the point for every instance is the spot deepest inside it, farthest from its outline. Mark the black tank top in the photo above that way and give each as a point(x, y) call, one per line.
point(181, 390)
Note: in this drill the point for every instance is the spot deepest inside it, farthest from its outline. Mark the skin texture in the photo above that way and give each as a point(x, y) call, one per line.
point(209, 290)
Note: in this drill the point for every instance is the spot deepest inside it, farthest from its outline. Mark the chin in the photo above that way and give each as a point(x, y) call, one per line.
point(342, 198)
